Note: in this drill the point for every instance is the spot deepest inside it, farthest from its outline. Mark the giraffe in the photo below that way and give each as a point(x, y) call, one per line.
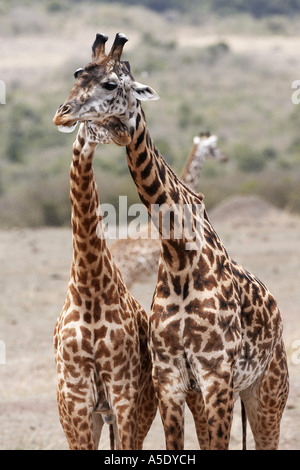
point(214, 327)
point(138, 258)
point(204, 147)
point(101, 336)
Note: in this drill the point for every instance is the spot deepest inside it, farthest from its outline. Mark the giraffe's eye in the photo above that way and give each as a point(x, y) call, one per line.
point(78, 72)
point(110, 85)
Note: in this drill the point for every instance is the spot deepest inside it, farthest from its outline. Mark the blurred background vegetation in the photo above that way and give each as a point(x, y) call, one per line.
point(226, 66)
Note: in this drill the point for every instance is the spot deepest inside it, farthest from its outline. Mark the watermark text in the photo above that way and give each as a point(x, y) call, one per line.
point(169, 222)
point(2, 352)
point(296, 352)
point(296, 95)
point(2, 92)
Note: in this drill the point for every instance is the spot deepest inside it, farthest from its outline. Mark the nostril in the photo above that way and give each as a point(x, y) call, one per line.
point(64, 109)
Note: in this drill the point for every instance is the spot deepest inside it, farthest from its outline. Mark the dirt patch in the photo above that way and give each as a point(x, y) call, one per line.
point(243, 208)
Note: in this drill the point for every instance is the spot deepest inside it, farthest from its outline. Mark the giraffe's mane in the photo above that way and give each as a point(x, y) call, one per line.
point(199, 196)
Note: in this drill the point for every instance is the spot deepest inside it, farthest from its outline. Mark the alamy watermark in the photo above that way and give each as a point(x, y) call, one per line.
point(2, 352)
point(296, 352)
point(2, 92)
point(296, 95)
point(168, 222)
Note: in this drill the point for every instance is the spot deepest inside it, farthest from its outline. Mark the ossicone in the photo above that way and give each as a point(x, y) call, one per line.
point(98, 48)
point(117, 47)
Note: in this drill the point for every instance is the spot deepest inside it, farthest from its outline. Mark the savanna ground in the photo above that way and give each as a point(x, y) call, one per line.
point(35, 269)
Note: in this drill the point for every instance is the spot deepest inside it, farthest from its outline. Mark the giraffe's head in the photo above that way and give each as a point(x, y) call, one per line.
point(209, 145)
point(103, 88)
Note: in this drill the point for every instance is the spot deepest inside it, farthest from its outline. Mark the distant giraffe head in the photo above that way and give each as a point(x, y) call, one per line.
point(104, 88)
point(205, 146)
point(209, 145)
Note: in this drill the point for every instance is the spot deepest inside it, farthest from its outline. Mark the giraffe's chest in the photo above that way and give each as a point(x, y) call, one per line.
point(195, 329)
point(194, 333)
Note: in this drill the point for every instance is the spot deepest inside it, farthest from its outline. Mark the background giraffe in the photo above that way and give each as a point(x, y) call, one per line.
point(139, 258)
point(214, 326)
point(204, 147)
point(101, 335)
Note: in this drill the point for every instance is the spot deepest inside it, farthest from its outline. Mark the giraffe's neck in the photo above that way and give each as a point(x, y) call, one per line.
point(157, 185)
point(194, 163)
point(90, 254)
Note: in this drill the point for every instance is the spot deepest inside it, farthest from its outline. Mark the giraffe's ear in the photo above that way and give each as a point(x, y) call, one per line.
point(143, 92)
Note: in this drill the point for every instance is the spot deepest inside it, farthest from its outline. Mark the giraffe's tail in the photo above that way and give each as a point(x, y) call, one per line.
point(244, 425)
point(111, 437)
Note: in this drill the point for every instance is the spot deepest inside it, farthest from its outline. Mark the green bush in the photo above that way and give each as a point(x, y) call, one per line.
point(249, 160)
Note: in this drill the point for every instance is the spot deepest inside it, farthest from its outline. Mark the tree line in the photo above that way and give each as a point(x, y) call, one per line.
point(257, 8)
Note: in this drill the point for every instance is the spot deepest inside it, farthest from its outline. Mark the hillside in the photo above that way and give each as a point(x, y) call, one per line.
point(228, 74)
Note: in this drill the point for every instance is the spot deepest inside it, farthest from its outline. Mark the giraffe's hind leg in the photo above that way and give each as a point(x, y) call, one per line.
point(266, 399)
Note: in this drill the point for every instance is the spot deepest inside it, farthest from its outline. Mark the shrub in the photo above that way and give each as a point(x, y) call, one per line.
point(248, 160)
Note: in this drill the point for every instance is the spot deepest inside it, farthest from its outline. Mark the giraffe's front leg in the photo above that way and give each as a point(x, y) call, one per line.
point(77, 393)
point(147, 409)
point(125, 410)
point(81, 425)
point(171, 399)
point(217, 386)
point(196, 405)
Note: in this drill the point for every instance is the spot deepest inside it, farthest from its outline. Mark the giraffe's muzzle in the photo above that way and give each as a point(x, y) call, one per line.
point(63, 117)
